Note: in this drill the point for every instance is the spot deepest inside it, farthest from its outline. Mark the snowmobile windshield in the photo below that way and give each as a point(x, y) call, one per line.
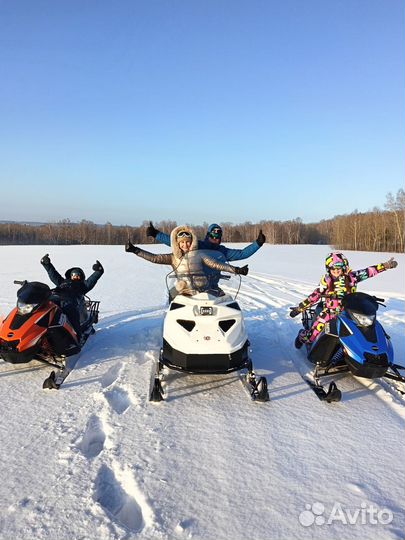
point(33, 292)
point(361, 303)
point(203, 271)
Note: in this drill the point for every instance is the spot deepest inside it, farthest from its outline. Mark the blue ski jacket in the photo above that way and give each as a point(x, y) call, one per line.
point(228, 253)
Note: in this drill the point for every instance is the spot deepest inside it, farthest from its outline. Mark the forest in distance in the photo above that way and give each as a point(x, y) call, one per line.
point(376, 230)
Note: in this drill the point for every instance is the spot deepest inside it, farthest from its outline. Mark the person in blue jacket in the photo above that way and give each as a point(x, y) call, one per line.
point(212, 242)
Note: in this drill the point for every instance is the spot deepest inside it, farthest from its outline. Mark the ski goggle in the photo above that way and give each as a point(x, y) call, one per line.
point(216, 232)
point(337, 266)
point(184, 234)
point(75, 276)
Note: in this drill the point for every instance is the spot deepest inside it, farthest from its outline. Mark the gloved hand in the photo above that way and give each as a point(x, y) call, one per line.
point(130, 248)
point(261, 238)
point(294, 311)
point(98, 267)
point(243, 270)
point(46, 260)
point(392, 263)
point(151, 231)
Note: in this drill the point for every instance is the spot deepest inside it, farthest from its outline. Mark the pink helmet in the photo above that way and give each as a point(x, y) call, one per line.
point(336, 260)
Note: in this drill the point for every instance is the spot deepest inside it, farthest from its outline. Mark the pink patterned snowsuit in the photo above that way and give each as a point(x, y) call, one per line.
point(333, 291)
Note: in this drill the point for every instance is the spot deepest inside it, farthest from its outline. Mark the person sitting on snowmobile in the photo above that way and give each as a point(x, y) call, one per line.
point(70, 290)
point(212, 241)
point(338, 281)
point(187, 261)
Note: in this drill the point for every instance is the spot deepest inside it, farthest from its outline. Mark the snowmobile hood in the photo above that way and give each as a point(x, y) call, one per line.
point(33, 292)
point(174, 242)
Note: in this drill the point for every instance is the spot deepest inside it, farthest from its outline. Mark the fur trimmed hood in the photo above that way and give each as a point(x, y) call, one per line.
point(175, 243)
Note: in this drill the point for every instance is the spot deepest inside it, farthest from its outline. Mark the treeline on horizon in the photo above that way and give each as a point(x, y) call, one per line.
point(376, 230)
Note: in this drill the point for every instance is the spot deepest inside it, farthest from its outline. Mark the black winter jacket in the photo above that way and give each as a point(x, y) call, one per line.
point(66, 288)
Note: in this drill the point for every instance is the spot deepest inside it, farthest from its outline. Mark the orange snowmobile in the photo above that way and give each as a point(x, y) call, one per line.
point(37, 328)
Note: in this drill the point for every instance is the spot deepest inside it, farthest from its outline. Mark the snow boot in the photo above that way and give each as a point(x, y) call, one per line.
point(298, 342)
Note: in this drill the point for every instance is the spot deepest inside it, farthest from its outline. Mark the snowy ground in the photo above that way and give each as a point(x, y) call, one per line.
point(97, 460)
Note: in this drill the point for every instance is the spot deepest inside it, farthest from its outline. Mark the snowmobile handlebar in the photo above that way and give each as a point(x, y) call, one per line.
point(380, 301)
point(222, 276)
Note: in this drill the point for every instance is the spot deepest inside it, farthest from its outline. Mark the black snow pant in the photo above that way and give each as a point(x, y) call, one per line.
point(70, 307)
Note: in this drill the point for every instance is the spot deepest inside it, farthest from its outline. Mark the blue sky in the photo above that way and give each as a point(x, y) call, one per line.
point(195, 111)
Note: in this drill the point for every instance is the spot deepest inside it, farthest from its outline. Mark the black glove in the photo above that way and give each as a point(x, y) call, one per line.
point(261, 238)
point(294, 311)
point(151, 231)
point(130, 248)
point(46, 260)
point(392, 263)
point(243, 270)
point(98, 267)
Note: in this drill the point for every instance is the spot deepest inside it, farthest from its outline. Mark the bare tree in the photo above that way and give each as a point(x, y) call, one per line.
point(396, 205)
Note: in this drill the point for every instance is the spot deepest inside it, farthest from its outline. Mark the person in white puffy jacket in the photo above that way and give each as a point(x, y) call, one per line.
point(186, 260)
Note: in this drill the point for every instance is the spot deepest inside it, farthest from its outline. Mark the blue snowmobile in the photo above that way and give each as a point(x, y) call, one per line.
point(353, 341)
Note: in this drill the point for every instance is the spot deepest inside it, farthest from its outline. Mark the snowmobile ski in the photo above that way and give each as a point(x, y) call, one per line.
point(54, 381)
point(255, 387)
point(57, 378)
point(156, 392)
point(332, 394)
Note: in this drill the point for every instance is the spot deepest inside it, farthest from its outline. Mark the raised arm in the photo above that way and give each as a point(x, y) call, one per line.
point(53, 274)
point(147, 255)
point(161, 237)
point(374, 270)
point(212, 263)
point(98, 271)
point(239, 254)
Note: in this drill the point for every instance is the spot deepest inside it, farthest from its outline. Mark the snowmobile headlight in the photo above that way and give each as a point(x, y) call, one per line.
point(24, 309)
point(362, 320)
point(206, 310)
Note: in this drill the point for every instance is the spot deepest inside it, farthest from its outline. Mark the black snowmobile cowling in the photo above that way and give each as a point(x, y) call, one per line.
point(33, 292)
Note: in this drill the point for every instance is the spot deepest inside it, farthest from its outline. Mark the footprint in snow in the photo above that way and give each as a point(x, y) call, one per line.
point(116, 502)
point(186, 526)
point(93, 439)
point(118, 399)
point(111, 375)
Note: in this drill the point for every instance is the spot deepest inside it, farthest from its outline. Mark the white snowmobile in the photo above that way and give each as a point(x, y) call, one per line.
point(205, 333)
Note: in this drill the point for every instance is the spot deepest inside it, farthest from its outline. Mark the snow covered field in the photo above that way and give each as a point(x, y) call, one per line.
point(97, 460)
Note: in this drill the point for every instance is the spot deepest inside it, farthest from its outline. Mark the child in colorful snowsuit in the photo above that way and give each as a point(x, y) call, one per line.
point(339, 281)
